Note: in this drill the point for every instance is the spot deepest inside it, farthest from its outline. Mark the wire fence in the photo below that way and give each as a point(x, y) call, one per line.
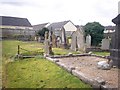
point(25, 52)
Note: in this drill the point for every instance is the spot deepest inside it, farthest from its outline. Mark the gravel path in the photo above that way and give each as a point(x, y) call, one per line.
point(88, 66)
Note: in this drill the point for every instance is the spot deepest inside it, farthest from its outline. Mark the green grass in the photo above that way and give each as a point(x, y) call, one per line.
point(60, 51)
point(34, 72)
point(10, 47)
point(102, 53)
point(40, 73)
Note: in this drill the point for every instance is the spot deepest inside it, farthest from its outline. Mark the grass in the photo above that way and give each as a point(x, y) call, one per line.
point(60, 51)
point(34, 72)
point(40, 73)
point(102, 53)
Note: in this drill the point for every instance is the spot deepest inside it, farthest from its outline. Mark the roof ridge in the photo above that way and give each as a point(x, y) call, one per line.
point(61, 21)
point(13, 17)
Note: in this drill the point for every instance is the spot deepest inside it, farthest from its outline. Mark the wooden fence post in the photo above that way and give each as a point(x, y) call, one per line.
point(18, 49)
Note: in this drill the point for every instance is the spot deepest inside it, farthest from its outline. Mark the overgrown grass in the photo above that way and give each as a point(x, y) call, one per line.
point(102, 53)
point(40, 73)
point(34, 72)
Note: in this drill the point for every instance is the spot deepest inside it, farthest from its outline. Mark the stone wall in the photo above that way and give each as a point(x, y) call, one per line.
point(7, 33)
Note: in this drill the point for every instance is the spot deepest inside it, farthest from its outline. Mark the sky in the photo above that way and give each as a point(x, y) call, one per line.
point(80, 12)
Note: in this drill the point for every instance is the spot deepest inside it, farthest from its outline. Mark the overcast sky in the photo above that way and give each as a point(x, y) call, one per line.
point(78, 11)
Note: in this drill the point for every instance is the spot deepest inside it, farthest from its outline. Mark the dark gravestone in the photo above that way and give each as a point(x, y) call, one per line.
point(54, 41)
point(115, 45)
point(63, 39)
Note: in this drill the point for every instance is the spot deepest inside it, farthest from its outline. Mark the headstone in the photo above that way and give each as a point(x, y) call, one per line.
point(50, 36)
point(105, 44)
point(39, 39)
point(77, 41)
point(88, 41)
point(63, 39)
point(59, 41)
point(115, 45)
point(48, 46)
point(35, 38)
point(74, 45)
point(54, 41)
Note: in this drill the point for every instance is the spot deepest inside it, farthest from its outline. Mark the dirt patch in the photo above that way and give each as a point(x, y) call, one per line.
point(88, 66)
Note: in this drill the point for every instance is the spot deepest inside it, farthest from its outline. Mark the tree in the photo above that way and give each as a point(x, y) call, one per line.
point(42, 32)
point(95, 29)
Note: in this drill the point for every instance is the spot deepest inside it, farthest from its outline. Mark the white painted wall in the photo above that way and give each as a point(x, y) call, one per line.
point(70, 27)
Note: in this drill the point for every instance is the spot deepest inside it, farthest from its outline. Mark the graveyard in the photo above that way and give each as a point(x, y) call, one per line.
point(34, 72)
point(62, 62)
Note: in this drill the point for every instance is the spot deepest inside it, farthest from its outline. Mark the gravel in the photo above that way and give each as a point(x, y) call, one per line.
point(88, 66)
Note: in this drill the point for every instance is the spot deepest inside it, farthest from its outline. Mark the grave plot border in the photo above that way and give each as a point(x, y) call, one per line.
point(95, 83)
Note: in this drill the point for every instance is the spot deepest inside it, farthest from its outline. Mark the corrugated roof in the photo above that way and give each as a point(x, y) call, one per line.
point(57, 25)
point(14, 21)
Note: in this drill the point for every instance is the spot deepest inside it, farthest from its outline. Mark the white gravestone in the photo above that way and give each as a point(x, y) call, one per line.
point(105, 44)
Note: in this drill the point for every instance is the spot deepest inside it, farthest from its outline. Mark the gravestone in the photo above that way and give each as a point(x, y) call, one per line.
point(59, 41)
point(47, 45)
point(115, 45)
point(39, 39)
point(74, 45)
point(54, 41)
point(77, 41)
point(88, 41)
point(105, 44)
point(63, 38)
point(50, 36)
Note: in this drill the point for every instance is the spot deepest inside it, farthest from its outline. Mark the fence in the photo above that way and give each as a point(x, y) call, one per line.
point(29, 53)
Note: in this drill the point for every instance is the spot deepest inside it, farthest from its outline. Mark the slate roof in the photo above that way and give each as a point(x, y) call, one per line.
point(14, 21)
point(57, 25)
point(39, 26)
point(116, 20)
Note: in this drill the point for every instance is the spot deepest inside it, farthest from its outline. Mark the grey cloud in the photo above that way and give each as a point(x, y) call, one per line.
point(13, 3)
point(16, 2)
